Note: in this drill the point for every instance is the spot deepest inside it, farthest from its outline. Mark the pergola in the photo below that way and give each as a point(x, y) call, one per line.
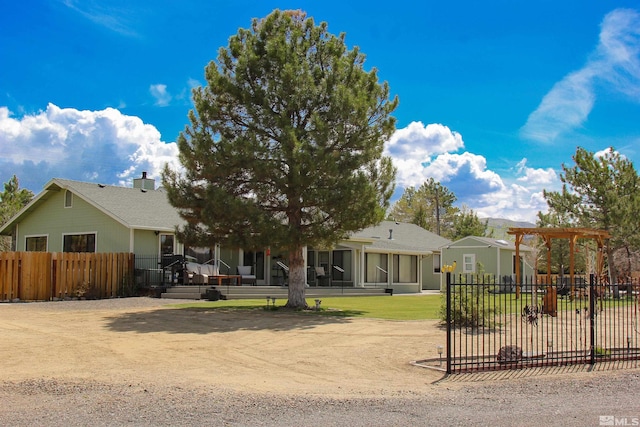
point(573, 234)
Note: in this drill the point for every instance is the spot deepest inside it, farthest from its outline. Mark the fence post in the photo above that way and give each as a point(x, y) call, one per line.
point(592, 318)
point(448, 322)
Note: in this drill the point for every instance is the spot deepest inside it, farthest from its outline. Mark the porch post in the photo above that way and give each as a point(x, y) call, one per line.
point(362, 267)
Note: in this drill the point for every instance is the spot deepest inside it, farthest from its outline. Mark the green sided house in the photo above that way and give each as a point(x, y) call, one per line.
point(73, 216)
point(484, 255)
point(402, 256)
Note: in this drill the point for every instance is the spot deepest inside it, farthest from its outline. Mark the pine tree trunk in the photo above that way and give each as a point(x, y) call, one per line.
point(297, 280)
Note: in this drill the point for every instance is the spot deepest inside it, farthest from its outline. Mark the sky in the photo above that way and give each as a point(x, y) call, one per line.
point(494, 96)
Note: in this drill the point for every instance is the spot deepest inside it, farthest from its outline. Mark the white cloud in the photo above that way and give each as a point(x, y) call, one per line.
point(114, 18)
point(159, 92)
point(535, 176)
point(615, 63)
point(413, 146)
point(421, 152)
point(101, 146)
point(193, 83)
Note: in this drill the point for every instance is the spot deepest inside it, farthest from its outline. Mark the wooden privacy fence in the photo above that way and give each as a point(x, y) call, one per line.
point(42, 276)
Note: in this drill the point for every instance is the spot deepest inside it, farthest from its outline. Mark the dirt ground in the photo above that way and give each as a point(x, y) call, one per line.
point(143, 362)
point(145, 339)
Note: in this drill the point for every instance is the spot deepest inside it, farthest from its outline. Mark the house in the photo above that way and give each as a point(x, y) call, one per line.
point(405, 257)
point(485, 255)
point(73, 216)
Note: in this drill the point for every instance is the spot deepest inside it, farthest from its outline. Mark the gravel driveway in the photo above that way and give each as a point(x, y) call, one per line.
point(100, 363)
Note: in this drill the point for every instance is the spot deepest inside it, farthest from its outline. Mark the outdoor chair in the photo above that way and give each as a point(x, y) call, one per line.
point(246, 277)
point(321, 276)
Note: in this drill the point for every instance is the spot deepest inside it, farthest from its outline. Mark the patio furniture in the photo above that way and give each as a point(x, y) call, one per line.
point(246, 277)
point(321, 275)
point(200, 273)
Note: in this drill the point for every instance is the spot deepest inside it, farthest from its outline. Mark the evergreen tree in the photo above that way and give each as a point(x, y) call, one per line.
point(560, 248)
point(284, 148)
point(601, 192)
point(12, 199)
point(430, 206)
point(466, 223)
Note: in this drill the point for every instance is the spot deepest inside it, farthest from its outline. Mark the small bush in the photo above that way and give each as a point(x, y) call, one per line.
point(469, 308)
point(470, 305)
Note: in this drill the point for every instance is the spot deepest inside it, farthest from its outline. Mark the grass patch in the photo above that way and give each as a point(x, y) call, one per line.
point(423, 307)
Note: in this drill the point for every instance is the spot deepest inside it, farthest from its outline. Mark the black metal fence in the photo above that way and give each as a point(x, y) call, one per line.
point(495, 323)
point(156, 271)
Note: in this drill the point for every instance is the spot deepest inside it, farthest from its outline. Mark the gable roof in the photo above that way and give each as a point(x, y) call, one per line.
point(398, 237)
point(477, 241)
point(132, 207)
point(150, 210)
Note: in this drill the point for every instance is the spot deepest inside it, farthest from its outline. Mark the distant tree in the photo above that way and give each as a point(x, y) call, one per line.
point(602, 192)
point(560, 248)
point(430, 206)
point(12, 199)
point(466, 223)
point(285, 144)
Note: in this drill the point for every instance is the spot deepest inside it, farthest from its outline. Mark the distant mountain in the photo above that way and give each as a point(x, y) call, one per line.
point(499, 227)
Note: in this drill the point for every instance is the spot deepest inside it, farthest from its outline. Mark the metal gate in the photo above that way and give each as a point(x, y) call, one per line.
point(494, 323)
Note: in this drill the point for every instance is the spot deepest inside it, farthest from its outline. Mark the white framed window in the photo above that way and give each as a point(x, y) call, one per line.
point(376, 268)
point(79, 242)
point(405, 268)
point(469, 263)
point(68, 199)
point(36, 243)
point(437, 263)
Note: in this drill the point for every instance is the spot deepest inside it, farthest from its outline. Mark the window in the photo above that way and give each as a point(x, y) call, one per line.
point(469, 264)
point(68, 199)
point(436, 263)
point(513, 264)
point(79, 243)
point(376, 268)
point(341, 260)
point(166, 244)
point(36, 244)
point(201, 255)
point(405, 269)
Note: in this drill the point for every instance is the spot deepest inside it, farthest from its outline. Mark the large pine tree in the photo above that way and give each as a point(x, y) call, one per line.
point(284, 148)
point(430, 206)
point(600, 191)
point(12, 199)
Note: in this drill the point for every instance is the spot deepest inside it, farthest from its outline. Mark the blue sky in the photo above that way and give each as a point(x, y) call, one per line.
point(494, 95)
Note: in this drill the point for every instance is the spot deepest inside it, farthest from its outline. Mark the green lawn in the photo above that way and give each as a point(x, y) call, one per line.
point(399, 307)
point(410, 307)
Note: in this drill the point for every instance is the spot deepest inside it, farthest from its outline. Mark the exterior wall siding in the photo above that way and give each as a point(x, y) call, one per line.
point(146, 243)
point(494, 260)
point(430, 280)
point(54, 220)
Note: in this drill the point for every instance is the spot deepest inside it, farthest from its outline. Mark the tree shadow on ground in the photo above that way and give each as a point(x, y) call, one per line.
point(208, 320)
